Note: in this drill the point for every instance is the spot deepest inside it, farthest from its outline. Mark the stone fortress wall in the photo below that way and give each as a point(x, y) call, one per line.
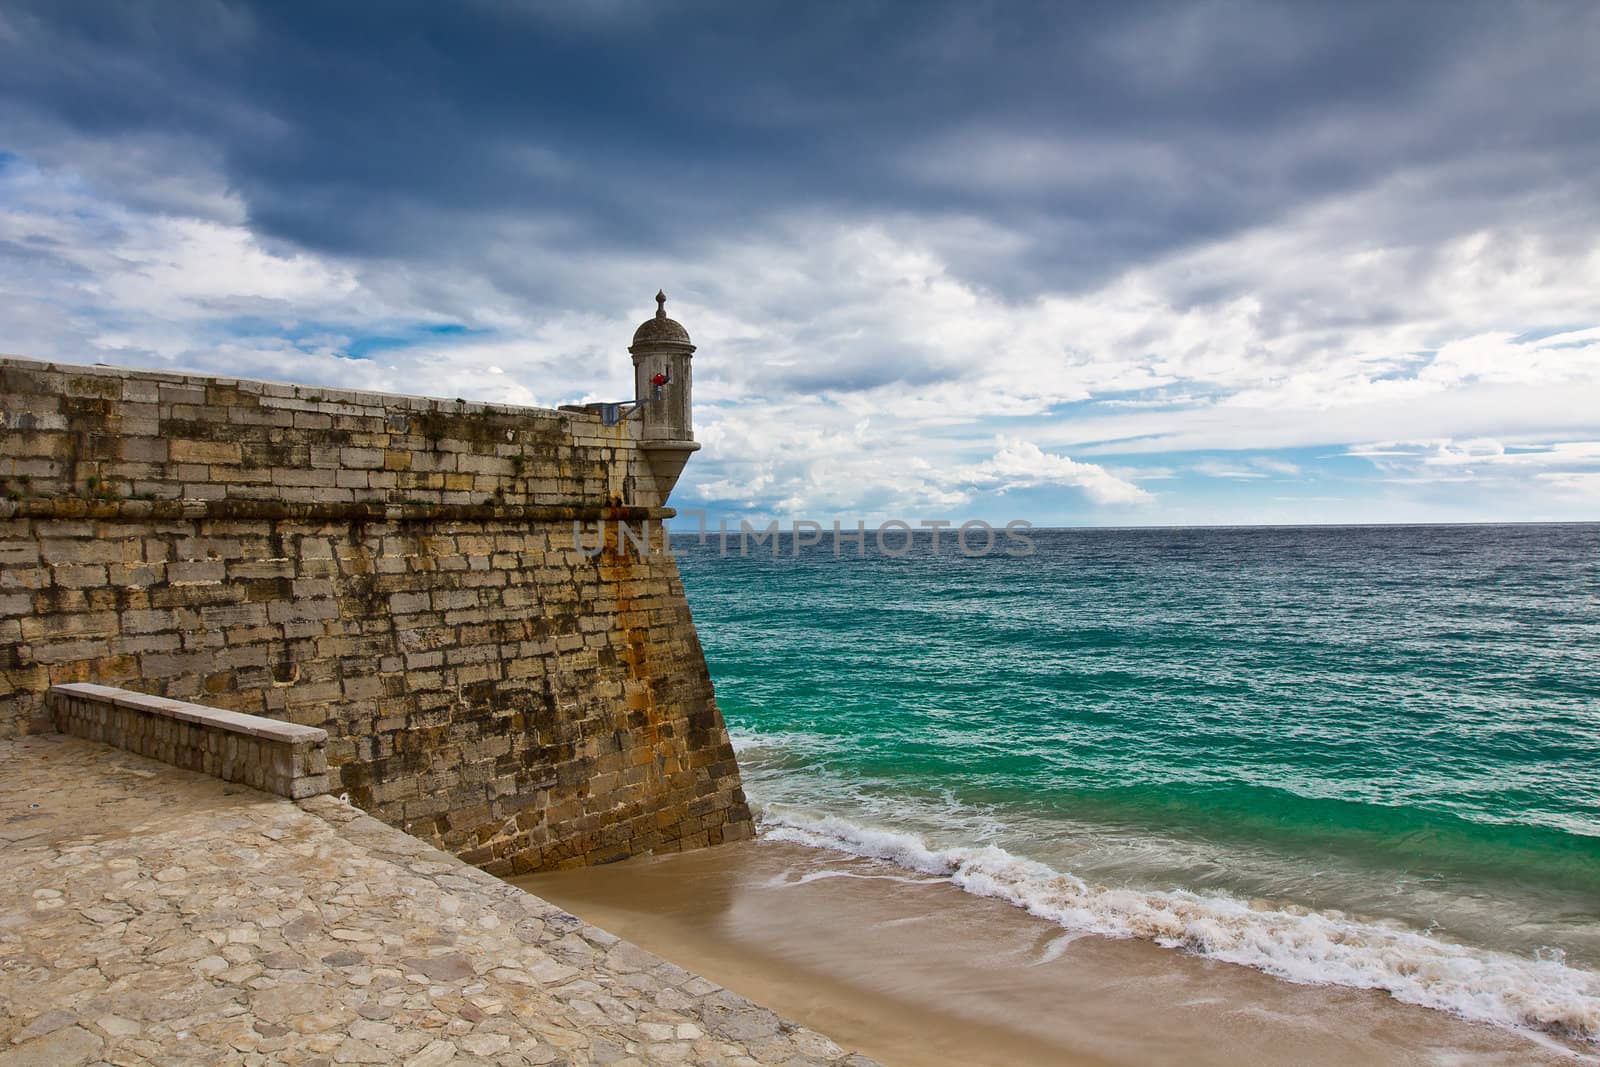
point(402, 573)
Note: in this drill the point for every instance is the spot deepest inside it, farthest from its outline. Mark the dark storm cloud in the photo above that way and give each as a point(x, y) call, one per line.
point(1099, 135)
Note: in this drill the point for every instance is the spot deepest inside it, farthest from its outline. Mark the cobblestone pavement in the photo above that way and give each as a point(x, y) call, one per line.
point(154, 915)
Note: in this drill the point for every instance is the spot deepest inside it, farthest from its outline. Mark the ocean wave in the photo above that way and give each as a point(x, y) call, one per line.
point(1292, 943)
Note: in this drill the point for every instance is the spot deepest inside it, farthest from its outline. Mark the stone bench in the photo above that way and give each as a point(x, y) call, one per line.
point(279, 757)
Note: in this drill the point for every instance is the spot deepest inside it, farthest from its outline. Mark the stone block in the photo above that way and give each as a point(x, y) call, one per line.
point(207, 452)
point(361, 458)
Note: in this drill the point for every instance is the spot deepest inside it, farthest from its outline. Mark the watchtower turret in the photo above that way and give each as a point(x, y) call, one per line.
point(662, 378)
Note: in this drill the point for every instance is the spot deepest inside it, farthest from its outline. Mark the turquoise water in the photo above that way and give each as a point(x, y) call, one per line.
point(1359, 755)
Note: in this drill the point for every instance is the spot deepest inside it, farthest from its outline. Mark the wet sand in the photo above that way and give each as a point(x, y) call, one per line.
point(916, 973)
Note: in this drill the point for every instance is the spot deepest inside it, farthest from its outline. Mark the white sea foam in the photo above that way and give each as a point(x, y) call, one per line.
point(1295, 944)
point(822, 876)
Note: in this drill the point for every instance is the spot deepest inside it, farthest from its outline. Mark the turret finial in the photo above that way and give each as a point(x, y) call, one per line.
point(661, 304)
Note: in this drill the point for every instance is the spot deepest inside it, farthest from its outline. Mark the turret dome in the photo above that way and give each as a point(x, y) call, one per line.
point(660, 329)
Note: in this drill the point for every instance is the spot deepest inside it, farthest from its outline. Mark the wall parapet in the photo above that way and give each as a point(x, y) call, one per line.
point(101, 432)
point(278, 757)
point(327, 511)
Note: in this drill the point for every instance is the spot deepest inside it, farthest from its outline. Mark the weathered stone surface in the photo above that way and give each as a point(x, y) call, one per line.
point(402, 573)
point(67, 1047)
point(227, 946)
point(450, 967)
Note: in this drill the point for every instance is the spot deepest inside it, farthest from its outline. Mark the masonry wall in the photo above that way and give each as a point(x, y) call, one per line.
point(402, 573)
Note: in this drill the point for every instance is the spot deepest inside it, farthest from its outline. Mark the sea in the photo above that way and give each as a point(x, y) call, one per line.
point(1359, 756)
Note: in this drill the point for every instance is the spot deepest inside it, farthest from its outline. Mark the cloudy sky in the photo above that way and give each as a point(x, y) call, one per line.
point(1081, 264)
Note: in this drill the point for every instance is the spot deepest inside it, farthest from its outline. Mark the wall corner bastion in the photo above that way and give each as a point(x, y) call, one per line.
point(409, 575)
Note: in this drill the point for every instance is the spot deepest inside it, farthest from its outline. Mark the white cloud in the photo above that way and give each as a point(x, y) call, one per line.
point(1214, 469)
point(1019, 464)
point(1282, 468)
point(1484, 452)
point(1248, 467)
point(1582, 487)
point(1565, 468)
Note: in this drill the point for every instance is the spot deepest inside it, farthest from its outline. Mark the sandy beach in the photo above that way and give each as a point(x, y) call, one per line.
point(914, 972)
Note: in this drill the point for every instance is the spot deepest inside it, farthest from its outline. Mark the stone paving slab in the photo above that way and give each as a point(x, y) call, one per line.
point(152, 915)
